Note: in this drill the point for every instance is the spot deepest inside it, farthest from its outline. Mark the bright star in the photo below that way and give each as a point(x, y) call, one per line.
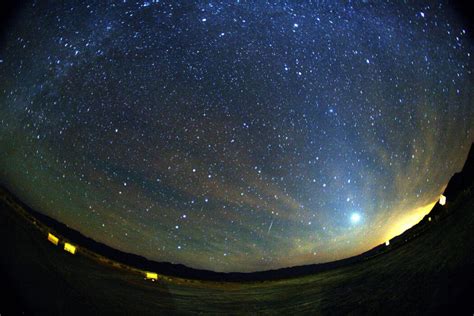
point(355, 218)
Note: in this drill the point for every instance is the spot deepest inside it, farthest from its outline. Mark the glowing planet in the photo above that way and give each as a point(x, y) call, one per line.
point(355, 218)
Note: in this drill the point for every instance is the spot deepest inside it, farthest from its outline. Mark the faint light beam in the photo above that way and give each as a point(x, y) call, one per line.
point(271, 224)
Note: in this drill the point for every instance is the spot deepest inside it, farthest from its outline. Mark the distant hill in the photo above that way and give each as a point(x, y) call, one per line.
point(461, 180)
point(459, 183)
point(178, 270)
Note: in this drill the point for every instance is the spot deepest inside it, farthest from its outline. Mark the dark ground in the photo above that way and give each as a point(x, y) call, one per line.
point(432, 273)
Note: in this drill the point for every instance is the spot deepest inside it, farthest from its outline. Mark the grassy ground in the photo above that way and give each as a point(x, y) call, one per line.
point(433, 273)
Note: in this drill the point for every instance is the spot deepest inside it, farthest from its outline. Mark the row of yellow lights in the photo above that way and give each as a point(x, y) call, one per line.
point(72, 249)
point(442, 201)
point(67, 246)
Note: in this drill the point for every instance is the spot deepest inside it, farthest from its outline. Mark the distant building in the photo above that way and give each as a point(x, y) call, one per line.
point(442, 200)
point(69, 248)
point(53, 239)
point(151, 276)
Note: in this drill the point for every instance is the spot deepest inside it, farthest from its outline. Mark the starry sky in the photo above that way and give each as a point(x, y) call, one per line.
point(234, 135)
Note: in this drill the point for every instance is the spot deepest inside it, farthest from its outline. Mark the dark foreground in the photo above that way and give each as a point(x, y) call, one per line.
point(432, 273)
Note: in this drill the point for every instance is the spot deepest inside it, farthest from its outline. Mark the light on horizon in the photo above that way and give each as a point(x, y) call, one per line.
point(69, 248)
point(442, 200)
point(53, 239)
point(151, 276)
point(406, 221)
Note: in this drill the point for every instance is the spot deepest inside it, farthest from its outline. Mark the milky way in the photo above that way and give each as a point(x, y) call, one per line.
point(234, 136)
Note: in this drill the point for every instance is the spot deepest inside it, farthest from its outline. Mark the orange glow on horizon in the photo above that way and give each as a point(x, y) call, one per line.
point(408, 220)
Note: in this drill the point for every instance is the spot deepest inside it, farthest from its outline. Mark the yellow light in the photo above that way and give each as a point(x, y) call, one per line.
point(387, 243)
point(53, 239)
point(442, 200)
point(151, 276)
point(69, 248)
point(429, 219)
point(407, 221)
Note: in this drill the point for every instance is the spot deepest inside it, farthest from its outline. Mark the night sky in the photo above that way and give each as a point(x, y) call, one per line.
point(234, 136)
